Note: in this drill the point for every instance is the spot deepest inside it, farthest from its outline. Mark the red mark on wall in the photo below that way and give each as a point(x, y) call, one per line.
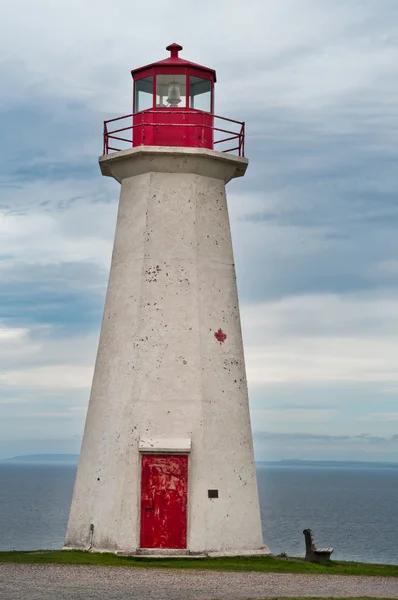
point(164, 485)
point(220, 336)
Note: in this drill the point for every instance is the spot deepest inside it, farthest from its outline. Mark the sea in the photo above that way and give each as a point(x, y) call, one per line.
point(353, 509)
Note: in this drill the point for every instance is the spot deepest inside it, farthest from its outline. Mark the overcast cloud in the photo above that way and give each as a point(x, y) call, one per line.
point(314, 221)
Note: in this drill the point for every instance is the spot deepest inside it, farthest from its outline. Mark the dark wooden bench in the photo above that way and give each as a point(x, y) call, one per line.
point(313, 554)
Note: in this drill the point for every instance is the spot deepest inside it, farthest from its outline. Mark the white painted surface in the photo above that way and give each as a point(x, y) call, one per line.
point(160, 373)
point(165, 445)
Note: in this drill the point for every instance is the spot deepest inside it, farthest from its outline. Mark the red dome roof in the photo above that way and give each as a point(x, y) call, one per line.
point(174, 61)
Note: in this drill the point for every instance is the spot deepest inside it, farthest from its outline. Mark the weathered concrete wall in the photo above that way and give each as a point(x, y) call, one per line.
point(160, 372)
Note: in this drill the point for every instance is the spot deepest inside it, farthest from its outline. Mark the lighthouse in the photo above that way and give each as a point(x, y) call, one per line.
point(167, 462)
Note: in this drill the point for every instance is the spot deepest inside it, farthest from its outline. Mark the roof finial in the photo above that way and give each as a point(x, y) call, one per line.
point(174, 49)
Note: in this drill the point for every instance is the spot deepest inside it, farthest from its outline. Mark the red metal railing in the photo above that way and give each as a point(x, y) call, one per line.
point(236, 136)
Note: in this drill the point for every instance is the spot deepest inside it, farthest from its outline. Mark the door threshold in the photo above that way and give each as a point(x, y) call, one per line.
point(162, 551)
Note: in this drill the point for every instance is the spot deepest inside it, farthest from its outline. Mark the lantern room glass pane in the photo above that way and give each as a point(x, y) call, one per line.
point(171, 91)
point(143, 94)
point(200, 94)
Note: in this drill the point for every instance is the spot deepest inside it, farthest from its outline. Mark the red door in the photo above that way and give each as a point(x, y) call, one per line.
point(164, 484)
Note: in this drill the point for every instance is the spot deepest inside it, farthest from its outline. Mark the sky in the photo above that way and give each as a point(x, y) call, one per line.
point(314, 221)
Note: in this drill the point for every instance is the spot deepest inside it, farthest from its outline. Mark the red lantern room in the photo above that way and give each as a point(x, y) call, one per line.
point(173, 105)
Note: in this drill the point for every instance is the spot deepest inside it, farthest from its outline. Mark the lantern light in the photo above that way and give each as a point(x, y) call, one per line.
point(174, 93)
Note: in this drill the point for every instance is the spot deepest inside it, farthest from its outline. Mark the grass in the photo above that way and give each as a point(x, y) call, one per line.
point(267, 564)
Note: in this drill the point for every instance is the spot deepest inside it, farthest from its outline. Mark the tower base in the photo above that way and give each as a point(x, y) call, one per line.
point(170, 553)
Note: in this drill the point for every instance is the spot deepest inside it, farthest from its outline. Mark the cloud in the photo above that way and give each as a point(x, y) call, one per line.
point(314, 437)
point(290, 415)
point(304, 405)
point(345, 338)
point(8, 334)
point(292, 33)
point(312, 446)
point(383, 416)
point(47, 244)
point(313, 222)
point(55, 377)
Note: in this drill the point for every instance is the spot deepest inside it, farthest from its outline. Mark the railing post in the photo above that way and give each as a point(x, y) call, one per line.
point(105, 145)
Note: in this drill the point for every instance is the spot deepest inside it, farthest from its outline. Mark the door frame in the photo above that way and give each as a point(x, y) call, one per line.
point(171, 451)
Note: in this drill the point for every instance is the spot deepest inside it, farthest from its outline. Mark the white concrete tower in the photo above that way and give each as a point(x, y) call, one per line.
point(167, 463)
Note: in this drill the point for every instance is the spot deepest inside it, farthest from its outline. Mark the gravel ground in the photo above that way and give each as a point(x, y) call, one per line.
point(64, 582)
